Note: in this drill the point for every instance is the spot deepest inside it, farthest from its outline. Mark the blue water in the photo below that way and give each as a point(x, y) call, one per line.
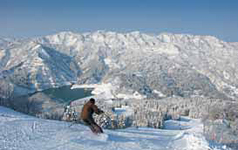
point(67, 94)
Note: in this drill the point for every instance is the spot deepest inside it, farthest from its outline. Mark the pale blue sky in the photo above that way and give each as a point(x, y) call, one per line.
point(30, 18)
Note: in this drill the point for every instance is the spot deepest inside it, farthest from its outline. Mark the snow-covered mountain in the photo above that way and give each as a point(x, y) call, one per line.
point(168, 64)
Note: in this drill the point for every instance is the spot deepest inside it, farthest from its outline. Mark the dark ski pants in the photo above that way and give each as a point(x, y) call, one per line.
point(93, 126)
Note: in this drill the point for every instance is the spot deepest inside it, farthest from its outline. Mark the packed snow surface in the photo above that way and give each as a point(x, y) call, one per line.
point(22, 132)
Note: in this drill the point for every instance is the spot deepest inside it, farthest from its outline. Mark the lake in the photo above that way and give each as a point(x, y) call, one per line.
point(67, 94)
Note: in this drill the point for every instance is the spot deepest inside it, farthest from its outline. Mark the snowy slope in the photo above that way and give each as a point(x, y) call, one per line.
point(22, 132)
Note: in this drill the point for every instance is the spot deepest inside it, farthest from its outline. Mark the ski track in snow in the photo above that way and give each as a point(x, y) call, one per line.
point(23, 132)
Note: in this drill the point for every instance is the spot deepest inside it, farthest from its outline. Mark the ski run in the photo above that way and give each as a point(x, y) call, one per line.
point(22, 132)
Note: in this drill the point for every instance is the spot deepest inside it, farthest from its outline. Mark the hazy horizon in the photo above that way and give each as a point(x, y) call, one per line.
point(31, 18)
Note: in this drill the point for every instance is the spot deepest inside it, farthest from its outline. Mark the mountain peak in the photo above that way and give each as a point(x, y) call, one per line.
point(131, 52)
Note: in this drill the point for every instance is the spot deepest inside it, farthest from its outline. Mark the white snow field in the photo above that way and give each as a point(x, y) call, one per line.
point(23, 132)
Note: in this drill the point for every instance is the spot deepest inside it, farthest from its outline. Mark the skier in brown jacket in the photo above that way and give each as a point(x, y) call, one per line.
point(87, 115)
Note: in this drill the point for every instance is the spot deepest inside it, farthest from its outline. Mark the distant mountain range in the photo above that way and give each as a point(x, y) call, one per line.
point(161, 65)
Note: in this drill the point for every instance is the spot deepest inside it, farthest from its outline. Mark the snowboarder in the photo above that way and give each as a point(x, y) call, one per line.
point(87, 116)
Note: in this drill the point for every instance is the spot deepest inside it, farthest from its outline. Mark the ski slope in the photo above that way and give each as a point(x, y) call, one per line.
point(22, 132)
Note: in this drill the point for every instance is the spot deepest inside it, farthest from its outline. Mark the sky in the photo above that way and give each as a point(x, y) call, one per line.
point(31, 18)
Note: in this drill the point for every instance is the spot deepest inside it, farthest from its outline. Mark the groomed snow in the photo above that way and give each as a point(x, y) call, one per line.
point(22, 132)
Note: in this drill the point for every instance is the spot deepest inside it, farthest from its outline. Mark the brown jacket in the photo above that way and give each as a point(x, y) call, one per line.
point(88, 109)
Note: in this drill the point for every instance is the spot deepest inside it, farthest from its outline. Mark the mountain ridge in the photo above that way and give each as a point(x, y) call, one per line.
point(167, 62)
